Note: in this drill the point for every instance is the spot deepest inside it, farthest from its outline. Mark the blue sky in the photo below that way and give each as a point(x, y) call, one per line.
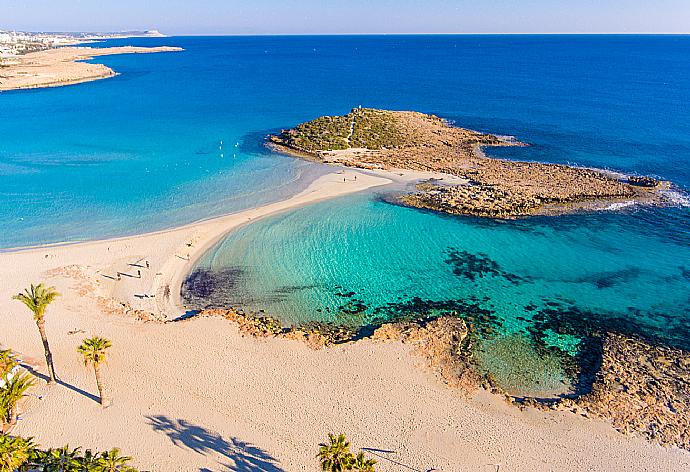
point(349, 16)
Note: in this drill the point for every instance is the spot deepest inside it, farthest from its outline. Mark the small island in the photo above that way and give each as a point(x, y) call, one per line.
point(411, 141)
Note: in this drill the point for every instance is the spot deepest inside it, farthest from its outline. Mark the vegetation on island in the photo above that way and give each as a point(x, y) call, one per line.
point(335, 456)
point(361, 128)
point(37, 298)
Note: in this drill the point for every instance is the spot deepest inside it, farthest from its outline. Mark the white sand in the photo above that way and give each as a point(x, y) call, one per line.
point(195, 395)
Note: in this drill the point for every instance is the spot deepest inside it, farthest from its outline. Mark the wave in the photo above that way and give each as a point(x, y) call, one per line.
point(676, 197)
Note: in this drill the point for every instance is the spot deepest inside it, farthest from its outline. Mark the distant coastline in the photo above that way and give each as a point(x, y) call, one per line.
point(57, 67)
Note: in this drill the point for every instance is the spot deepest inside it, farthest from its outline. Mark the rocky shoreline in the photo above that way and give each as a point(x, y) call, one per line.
point(638, 387)
point(393, 140)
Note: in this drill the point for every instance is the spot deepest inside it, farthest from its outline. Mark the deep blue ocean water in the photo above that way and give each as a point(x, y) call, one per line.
point(142, 151)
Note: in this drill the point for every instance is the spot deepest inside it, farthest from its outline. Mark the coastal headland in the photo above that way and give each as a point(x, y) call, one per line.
point(404, 140)
point(56, 67)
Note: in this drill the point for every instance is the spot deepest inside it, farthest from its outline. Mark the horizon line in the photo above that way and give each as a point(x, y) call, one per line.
point(572, 33)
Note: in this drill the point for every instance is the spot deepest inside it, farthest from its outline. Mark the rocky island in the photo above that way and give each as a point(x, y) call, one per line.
point(404, 140)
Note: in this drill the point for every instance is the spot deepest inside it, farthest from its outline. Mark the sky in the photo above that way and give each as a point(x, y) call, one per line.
point(207, 17)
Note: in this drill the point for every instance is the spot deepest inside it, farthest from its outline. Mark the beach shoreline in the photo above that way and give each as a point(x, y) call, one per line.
point(269, 393)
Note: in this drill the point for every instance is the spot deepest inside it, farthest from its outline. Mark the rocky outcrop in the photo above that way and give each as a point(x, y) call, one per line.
point(265, 326)
point(380, 139)
point(640, 388)
point(445, 345)
point(643, 389)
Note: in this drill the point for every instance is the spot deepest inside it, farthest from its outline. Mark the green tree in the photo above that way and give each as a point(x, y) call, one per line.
point(37, 298)
point(15, 452)
point(10, 394)
point(7, 362)
point(112, 461)
point(93, 351)
point(21, 455)
point(363, 464)
point(335, 456)
point(87, 462)
point(61, 459)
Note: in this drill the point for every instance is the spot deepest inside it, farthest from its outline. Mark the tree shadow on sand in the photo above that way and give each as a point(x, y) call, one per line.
point(242, 456)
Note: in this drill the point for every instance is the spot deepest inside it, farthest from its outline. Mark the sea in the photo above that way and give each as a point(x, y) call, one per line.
point(179, 137)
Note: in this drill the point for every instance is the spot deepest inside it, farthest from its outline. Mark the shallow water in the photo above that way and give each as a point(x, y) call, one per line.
point(555, 280)
point(323, 261)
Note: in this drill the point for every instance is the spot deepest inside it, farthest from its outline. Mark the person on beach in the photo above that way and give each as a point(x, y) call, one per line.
point(139, 273)
point(147, 265)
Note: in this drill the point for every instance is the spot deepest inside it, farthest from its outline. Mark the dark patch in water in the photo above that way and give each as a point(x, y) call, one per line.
point(685, 273)
point(653, 326)
point(353, 307)
point(484, 320)
point(473, 266)
point(608, 279)
point(290, 289)
point(205, 288)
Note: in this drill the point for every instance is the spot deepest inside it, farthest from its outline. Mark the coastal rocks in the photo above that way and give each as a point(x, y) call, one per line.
point(641, 181)
point(380, 139)
point(474, 199)
point(445, 345)
point(643, 389)
point(265, 326)
point(639, 387)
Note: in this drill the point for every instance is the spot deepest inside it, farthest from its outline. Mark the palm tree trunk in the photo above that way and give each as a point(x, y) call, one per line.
point(46, 348)
point(105, 399)
point(13, 416)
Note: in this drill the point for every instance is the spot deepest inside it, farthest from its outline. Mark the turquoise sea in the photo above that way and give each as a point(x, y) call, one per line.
point(142, 151)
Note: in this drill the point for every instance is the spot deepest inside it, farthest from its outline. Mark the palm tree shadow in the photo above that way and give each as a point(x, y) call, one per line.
point(242, 456)
point(44, 377)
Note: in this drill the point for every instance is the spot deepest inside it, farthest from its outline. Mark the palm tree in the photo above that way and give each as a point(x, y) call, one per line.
point(335, 456)
point(7, 362)
point(62, 459)
point(14, 452)
point(112, 461)
point(362, 464)
point(93, 350)
point(37, 298)
point(13, 390)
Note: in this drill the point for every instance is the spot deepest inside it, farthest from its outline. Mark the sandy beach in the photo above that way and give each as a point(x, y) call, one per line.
point(196, 395)
point(62, 66)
